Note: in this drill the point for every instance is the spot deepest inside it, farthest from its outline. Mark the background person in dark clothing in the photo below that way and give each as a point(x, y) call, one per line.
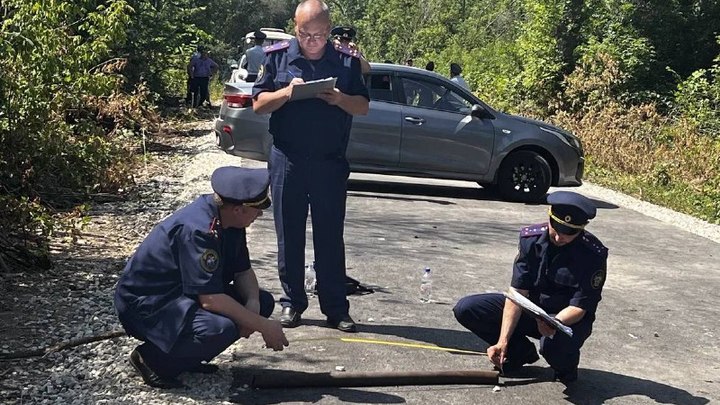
point(201, 69)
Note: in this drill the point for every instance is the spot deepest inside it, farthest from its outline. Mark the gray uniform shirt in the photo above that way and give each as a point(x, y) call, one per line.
point(459, 80)
point(254, 58)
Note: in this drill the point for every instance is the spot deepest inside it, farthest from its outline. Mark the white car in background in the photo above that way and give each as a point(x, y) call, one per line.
point(274, 35)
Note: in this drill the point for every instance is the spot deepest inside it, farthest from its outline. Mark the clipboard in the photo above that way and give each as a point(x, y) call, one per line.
point(536, 311)
point(310, 89)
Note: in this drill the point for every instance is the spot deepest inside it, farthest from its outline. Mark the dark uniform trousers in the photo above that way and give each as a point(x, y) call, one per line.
point(201, 90)
point(205, 336)
point(482, 315)
point(321, 183)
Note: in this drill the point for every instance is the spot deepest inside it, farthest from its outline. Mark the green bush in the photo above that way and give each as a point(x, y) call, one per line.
point(62, 112)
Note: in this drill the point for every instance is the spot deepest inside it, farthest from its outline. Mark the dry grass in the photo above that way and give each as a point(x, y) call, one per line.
point(661, 159)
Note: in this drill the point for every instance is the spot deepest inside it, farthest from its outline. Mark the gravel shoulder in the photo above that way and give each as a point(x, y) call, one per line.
point(74, 299)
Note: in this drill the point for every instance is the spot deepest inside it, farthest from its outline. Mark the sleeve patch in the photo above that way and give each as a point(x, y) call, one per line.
point(209, 261)
point(597, 279)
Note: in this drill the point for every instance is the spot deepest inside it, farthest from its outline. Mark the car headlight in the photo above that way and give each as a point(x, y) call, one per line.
point(569, 139)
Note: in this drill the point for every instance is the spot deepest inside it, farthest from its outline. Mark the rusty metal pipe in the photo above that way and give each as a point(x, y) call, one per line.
point(375, 379)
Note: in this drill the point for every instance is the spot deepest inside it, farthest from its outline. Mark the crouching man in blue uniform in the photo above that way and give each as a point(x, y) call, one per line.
point(189, 291)
point(307, 161)
point(561, 267)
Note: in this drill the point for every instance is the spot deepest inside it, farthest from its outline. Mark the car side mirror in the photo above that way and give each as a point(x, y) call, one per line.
point(481, 112)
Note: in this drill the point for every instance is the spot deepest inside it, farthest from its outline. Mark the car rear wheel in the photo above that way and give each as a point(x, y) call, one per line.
point(524, 176)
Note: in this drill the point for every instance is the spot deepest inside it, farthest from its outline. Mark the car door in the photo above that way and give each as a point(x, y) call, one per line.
point(375, 137)
point(438, 132)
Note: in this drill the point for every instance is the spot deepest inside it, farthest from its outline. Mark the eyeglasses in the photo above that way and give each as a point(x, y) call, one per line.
point(307, 37)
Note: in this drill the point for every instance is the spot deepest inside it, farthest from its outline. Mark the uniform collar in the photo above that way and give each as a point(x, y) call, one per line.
point(294, 52)
point(543, 242)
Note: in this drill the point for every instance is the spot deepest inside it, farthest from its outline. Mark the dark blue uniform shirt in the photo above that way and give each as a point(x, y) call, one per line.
point(558, 277)
point(309, 128)
point(186, 255)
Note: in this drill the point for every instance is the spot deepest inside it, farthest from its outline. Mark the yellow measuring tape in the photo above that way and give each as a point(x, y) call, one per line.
point(394, 343)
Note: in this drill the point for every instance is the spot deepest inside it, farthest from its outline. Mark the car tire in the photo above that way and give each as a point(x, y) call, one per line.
point(524, 176)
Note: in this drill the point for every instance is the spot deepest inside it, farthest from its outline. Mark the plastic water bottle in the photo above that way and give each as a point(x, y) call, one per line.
point(426, 285)
point(310, 279)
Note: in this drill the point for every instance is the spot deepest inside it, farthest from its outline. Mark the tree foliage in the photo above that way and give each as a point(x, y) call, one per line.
point(79, 85)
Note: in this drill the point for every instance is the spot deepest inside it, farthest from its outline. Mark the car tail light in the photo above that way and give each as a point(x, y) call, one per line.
point(238, 100)
point(227, 129)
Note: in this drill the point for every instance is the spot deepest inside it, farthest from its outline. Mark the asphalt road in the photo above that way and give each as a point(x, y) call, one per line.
point(655, 340)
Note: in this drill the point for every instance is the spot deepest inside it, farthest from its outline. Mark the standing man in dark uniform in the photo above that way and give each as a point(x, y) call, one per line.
point(561, 267)
point(307, 161)
point(189, 291)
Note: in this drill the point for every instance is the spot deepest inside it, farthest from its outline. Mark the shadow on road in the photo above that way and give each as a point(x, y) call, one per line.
point(468, 193)
point(357, 187)
point(246, 376)
point(595, 387)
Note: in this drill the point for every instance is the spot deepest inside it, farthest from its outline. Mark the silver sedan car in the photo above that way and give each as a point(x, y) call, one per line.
point(422, 124)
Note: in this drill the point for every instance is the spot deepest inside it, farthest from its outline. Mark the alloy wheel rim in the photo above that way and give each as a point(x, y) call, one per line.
point(524, 178)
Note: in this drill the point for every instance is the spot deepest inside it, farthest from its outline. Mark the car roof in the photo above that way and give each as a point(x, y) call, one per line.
point(403, 68)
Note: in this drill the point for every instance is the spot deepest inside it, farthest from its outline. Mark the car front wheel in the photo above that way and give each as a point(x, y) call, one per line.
point(524, 176)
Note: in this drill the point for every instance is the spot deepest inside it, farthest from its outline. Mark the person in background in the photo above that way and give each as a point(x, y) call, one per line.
point(201, 69)
point(344, 41)
point(189, 291)
point(409, 62)
point(455, 76)
point(253, 58)
point(560, 267)
point(430, 66)
point(307, 161)
point(190, 82)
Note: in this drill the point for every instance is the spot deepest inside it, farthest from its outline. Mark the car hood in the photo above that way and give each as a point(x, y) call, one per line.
point(530, 121)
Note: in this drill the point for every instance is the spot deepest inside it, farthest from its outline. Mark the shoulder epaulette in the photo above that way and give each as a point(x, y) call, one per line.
point(348, 51)
point(533, 230)
point(593, 243)
point(276, 47)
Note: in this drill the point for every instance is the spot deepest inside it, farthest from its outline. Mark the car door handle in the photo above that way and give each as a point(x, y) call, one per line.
point(415, 120)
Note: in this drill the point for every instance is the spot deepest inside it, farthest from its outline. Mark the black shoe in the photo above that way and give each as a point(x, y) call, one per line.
point(205, 368)
point(567, 377)
point(345, 324)
point(511, 367)
point(149, 376)
point(290, 318)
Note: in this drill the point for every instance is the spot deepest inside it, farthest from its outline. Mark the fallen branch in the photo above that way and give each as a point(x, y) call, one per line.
point(61, 346)
point(271, 380)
